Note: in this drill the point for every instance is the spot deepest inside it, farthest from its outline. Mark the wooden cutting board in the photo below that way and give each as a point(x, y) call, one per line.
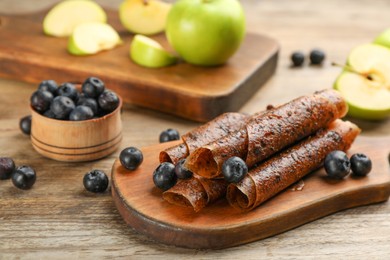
point(218, 225)
point(196, 93)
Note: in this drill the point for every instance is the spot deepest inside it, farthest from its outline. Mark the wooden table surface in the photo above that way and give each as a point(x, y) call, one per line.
point(57, 218)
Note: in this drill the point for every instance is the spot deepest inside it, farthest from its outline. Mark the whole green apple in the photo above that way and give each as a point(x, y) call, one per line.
point(206, 32)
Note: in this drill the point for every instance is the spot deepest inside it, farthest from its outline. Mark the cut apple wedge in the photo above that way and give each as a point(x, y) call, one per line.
point(61, 20)
point(91, 38)
point(367, 88)
point(146, 17)
point(149, 53)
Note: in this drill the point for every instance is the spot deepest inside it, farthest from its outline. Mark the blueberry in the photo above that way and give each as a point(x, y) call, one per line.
point(68, 90)
point(164, 176)
point(25, 124)
point(337, 164)
point(297, 59)
point(93, 87)
point(95, 181)
point(108, 101)
point(131, 158)
point(169, 135)
point(317, 57)
point(49, 114)
point(7, 167)
point(24, 177)
point(41, 100)
point(48, 85)
point(181, 171)
point(81, 113)
point(360, 164)
point(62, 106)
point(89, 102)
point(234, 169)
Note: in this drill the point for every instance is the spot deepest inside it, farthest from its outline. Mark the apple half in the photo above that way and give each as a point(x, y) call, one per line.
point(146, 17)
point(149, 53)
point(367, 88)
point(61, 20)
point(91, 38)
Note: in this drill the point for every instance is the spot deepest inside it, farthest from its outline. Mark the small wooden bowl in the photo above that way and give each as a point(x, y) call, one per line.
point(76, 141)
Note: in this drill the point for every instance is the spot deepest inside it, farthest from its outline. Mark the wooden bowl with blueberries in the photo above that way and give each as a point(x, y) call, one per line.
point(75, 122)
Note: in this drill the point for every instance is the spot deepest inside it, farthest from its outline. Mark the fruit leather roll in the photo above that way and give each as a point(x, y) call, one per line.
point(289, 166)
point(204, 134)
point(269, 132)
point(196, 192)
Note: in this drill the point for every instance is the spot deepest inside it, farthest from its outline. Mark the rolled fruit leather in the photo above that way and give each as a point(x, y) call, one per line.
point(289, 166)
point(267, 133)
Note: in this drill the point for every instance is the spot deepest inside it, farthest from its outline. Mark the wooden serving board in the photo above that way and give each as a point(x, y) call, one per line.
point(196, 93)
point(218, 225)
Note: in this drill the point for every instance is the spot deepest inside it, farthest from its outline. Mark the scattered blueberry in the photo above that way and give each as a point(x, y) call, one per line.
point(337, 164)
point(48, 85)
point(181, 171)
point(317, 57)
point(62, 106)
point(7, 167)
point(234, 169)
point(25, 124)
point(68, 90)
point(81, 113)
point(169, 135)
point(95, 181)
point(93, 87)
point(108, 101)
point(131, 158)
point(24, 177)
point(360, 164)
point(297, 59)
point(89, 102)
point(41, 100)
point(164, 176)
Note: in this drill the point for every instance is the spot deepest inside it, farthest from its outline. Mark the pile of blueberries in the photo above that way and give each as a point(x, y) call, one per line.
point(65, 102)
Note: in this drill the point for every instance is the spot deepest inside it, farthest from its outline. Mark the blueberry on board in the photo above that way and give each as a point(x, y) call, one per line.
point(108, 101)
point(131, 158)
point(24, 177)
point(164, 176)
point(68, 90)
point(41, 100)
point(317, 57)
point(25, 124)
point(93, 87)
point(234, 169)
point(169, 135)
point(81, 113)
point(181, 171)
point(89, 102)
point(337, 164)
point(95, 181)
point(297, 58)
point(361, 164)
point(7, 167)
point(62, 106)
point(49, 85)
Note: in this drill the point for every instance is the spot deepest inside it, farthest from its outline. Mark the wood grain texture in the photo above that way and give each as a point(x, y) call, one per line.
point(193, 92)
point(57, 219)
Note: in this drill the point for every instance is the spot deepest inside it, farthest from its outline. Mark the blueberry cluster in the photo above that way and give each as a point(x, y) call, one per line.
point(65, 102)
point(337, 164)
point(23, 177)
point(166, 174)
point(316, 57)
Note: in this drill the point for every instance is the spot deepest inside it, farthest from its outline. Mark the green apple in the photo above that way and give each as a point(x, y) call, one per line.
point(61, 20)
point(93, 37)
point(383, 38)
point(365, 83)
point(146, 17)
point(149, 53)
point(206, 32)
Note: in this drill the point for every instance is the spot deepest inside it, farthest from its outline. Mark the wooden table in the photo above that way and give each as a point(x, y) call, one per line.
point(57, 218)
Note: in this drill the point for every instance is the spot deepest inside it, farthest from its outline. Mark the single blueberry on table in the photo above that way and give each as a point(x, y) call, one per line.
point(68, 90)
point(317, 57)
point(131, 158)
point(95, 181)
point(169, 135)
point(234, 169)
point(337, 164)
point(81, 113)
point(49, 85)
point(297, 58)
point(41, 100)
point(361, 164)
point(24, 177)
point(108, 101)
point(93, 87)
point(164, 177)
point(25, 124)
point(7, 167)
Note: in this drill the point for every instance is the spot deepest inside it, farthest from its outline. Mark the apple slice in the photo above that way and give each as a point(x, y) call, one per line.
point(146, 17)
point(366, 87)
point(61, 20)
point(148, 53)
point(90, 38)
